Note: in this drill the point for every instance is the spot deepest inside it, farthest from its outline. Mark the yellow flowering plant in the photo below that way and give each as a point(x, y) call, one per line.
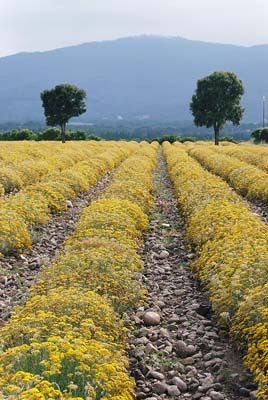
point(231, 243)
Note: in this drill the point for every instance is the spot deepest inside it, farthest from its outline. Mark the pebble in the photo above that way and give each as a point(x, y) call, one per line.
point(216, 395)
point(150, 348)
point(253, 395)
point(159, 388)
point(151, 318)
point(181, 348)
point(69, 203)
point(157, 375)
point(179, 383)
point(164, 254)
point(188, 361)
point(173, 390)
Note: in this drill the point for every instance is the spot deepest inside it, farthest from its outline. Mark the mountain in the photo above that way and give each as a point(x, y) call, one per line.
point(130, 77)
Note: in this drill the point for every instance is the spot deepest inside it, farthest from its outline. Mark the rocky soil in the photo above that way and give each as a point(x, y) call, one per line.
point(17, 274)
point(261, 210)
point(177, 350)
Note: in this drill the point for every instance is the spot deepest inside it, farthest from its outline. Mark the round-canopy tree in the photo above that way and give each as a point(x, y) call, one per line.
point(260, 135)
point(62, 103)
point(217, 99)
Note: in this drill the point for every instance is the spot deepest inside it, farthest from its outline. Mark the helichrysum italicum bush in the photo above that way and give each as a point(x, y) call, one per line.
point(10, 179)
point(14, 235)
point(232, 246)
point(103, 266)
point(71, 173)
point(251, 154)
point(67, 341)
point(250, 327)
point(247, 179)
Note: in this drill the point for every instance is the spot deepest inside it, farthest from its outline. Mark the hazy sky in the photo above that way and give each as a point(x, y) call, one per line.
point(29, 25)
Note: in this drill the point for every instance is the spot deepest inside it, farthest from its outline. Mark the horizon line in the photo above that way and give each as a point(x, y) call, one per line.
point(138, 36)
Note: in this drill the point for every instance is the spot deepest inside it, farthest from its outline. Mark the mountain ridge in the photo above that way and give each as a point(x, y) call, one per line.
point(132, 76)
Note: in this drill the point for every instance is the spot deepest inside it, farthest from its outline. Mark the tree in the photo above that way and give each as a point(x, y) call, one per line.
point(62, 103)
point(51, 134)
point(78, 135)
point(18, 134)
point(260, 135)
point(217, 99)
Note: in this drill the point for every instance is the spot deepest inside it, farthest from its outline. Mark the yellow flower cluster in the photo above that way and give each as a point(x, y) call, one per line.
point(232, 246)
point(78, 168)
point(251, 154)
point(68, 341)
point(247, 179)
point(250, 326)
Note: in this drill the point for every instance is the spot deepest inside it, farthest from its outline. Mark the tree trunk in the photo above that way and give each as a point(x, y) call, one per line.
point(63, 128)
point(216, 135)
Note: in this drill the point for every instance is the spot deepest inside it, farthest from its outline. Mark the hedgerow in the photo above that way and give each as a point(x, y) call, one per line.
point(232, 258)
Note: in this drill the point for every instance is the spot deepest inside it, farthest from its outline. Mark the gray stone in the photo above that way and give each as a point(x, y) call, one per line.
point(142, 340)
point(173, 390)
point(151, 318)
point(157, 375)
point(253, 395)
point(159, 388)
point(181, 348)
point(160, 304)
point(216, 395)
point(179, 383)
point(188, 361)
point(150, 348)
point(191, 350)
point(69, 203)
point(164, 254)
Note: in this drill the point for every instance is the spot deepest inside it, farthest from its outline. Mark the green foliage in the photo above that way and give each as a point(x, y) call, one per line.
point(18, 134)
point(260, 135)
point(184, 139)
point(168, 138)
point(93, 137)
point(172, 139)
point(62, 103)
point(217, 100)
point(77, 135)
point(50, 134)
point(228, 139)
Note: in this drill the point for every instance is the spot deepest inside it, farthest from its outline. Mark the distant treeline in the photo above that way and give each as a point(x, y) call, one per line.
point(121, 130)
point(47, 134)
point(55, 134)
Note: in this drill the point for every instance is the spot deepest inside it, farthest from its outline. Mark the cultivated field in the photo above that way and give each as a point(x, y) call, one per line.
point(129, 269)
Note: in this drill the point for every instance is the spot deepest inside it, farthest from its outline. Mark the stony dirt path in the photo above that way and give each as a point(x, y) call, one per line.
point(17, 274)
point(260, 209)
point(177, 350)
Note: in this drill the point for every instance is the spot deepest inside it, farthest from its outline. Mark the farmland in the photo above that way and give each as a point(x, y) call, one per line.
point(133, 268)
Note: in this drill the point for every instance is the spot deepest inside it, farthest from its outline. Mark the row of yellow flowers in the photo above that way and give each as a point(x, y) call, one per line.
point(68, 340)
point(232, 252)
point(22, 213)
point(26, 163)
point(247, 179)
point(251, 154)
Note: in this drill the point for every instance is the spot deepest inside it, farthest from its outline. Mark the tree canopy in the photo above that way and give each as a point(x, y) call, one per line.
point(260, 135)
point(62, 103)
point(217, 99)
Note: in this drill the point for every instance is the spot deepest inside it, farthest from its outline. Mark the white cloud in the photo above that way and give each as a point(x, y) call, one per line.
point(28, 25)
